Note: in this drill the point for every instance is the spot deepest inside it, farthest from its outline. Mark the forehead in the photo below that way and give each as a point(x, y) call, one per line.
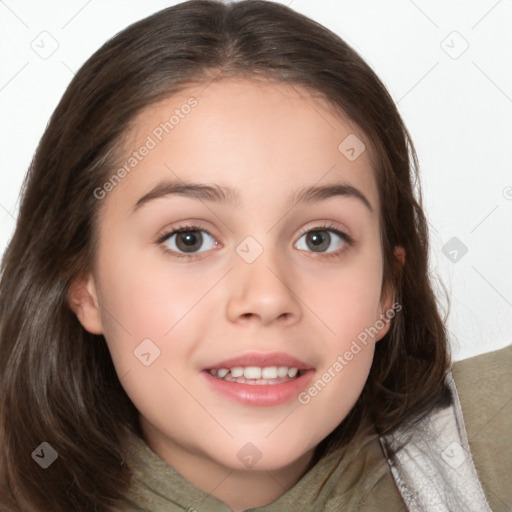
point(253, 136)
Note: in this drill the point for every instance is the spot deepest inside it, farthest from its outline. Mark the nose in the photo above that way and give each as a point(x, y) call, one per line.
point(261, 292)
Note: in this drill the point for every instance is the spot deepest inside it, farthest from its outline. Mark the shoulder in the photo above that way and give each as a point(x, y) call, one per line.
point(496, 364)
point(484, 386)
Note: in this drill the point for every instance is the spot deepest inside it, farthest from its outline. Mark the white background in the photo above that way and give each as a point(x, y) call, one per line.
point(457, 106)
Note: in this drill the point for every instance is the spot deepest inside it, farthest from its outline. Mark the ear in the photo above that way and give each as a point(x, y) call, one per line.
point(387, 301)
point(399, 253)
point(83, 300)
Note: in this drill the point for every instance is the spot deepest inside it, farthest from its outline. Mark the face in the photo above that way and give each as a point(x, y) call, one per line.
point(245, 237)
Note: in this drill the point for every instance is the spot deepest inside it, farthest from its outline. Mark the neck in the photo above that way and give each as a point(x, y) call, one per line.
point(241, 490)
point(238, 489)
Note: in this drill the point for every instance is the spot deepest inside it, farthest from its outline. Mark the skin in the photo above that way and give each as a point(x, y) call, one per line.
point(266, 141)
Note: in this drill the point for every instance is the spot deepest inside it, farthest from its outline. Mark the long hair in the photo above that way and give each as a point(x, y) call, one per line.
point(58, 383)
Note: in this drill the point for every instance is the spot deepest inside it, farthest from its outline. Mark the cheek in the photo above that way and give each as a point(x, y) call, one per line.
point(346, 298)
point(146, 300)
point(147, 323)
point(347, 301)
point(349, 310)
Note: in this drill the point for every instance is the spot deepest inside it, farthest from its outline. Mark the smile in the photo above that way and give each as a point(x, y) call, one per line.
point(254, 375)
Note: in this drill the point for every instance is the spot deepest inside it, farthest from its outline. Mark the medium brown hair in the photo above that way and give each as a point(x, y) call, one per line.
point(58, 383)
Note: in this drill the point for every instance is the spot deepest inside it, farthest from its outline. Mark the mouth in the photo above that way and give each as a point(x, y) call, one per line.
point(260, 379)
point(257, 376)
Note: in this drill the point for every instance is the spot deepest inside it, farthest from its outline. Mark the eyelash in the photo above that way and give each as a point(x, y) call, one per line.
point(189, 227)
point(330, 227)
point(180, 229)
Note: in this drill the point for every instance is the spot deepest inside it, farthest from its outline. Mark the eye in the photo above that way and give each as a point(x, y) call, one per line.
point(323, 240)
point(187, 240)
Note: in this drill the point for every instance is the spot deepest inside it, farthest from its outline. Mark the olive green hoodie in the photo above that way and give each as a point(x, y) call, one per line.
point(359, 478)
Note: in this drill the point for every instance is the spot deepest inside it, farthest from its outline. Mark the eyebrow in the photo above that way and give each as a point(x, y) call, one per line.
point(218, 194)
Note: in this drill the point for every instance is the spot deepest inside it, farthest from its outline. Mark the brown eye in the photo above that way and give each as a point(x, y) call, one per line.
point(318, 241)
point(322, 241)
point(189, 241)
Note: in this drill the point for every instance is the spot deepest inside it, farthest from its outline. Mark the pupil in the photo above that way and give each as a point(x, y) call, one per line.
point(318, 241)
point(189, 241)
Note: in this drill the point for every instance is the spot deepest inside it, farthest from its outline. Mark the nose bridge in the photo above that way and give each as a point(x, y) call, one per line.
point(261, 286)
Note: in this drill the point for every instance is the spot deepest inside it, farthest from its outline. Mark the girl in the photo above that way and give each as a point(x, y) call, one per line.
point(217, 298)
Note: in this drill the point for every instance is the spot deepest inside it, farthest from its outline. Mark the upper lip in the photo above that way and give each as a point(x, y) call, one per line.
point(261, 360)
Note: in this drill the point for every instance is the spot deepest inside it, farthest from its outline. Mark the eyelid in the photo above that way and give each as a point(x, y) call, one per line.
point(167, 233)
point(327, 226)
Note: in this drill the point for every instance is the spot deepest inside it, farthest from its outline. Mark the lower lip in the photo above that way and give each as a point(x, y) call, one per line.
point(260, 394)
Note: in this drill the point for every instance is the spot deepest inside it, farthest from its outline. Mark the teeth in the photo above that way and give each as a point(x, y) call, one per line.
point(237, 371)
point(282, 371)
point(265, 375)
point(269, 372)
point(292, 372)
point(252, 372)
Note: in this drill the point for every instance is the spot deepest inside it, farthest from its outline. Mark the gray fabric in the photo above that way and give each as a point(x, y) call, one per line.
point(432, 463)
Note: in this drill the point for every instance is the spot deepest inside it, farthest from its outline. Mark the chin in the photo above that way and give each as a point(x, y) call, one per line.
point(262, 454)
